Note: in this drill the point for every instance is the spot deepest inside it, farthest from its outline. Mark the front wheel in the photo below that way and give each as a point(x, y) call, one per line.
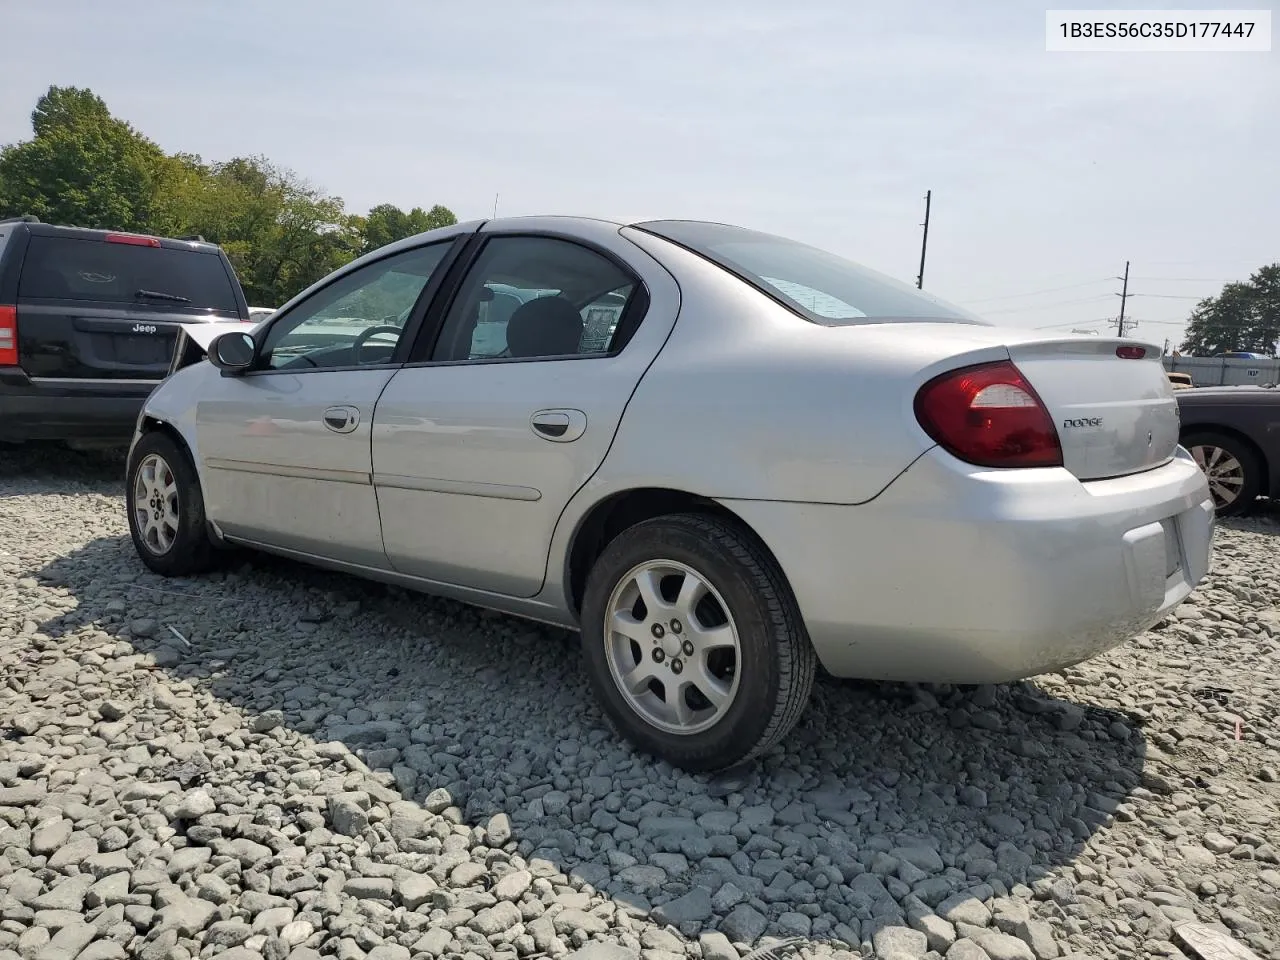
point(1233, 470)
point(693, 643)
point(166, 508)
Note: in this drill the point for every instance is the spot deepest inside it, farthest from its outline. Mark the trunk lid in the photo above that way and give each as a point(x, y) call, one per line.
point(1114, 416)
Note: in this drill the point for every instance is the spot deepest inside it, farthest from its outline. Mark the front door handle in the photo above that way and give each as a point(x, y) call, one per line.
point(560, 425)
point(342, 419)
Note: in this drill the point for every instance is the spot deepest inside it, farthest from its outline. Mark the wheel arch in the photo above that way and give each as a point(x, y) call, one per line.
point(623, 509)
point(149, 423)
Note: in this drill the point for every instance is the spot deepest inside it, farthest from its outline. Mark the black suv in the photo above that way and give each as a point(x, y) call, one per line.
point(88, 324)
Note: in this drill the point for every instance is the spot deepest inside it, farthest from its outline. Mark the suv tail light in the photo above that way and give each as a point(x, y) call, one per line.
point(989, 415)
point(8, 336)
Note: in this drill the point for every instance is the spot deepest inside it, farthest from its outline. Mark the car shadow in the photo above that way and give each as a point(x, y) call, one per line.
point(882, 790)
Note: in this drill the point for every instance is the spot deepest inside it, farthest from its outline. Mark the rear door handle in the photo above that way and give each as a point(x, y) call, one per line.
point(342, 419)
point(559, 425)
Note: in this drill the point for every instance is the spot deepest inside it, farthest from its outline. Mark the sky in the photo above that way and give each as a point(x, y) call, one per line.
point(822, 120)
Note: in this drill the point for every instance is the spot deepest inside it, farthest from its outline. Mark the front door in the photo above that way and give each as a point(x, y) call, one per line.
point(285, 448)
point(478, 448)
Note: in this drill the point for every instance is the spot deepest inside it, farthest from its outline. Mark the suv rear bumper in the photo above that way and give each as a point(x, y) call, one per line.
point(85, 410)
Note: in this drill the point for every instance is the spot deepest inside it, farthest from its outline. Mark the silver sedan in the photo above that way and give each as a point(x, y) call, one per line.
point(724, 457)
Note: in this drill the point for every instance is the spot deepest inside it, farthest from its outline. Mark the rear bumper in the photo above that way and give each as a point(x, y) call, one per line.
point(962, 575)
point(97, 410)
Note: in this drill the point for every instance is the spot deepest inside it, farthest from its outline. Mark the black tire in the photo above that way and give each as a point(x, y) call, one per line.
point(776, 664)
point(1244, 454)
point(191, 551)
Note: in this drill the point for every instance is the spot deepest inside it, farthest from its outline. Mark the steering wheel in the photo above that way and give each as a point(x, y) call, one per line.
point(368, 334)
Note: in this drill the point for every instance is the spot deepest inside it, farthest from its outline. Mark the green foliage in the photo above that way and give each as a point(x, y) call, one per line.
point(86, 168)
point(1244, 316)
point(387, 223)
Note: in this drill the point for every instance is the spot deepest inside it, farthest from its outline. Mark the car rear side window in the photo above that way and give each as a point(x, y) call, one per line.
point(818, 285)
point(66, 268)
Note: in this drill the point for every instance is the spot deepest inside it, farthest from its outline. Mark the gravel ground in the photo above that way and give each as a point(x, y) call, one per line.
point(280, 762)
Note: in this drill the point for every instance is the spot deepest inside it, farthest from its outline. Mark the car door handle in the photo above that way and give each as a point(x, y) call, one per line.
point(342, 419)
point(560, 426)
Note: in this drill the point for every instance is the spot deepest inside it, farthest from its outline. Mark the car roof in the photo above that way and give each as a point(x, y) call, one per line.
point(38, 229)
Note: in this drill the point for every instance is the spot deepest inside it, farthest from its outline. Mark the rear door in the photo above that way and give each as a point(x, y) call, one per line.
point(479, 445)
point(94, 306)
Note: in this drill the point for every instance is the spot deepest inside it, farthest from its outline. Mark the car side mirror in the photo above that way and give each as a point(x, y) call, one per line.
point(233, 352)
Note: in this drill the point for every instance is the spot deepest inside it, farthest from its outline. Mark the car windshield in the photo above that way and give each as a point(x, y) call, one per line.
point(818, 285)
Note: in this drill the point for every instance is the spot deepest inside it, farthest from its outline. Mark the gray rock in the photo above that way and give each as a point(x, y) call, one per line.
point(966, 950)
point(369, 888)
point(1001, 946)
point(1038, 935)
point(68, 942)
point(965, 908)
point(744, 924)
point(195, 805)
point(901, 942)
point(716, 946)
point(693, 907)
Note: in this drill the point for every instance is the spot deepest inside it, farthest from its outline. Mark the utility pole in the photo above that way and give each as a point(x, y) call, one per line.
point(924, 243)
point(495, 206)
point(1124, 295)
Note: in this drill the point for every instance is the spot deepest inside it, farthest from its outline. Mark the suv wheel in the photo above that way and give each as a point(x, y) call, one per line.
point(166, 508)
point(693, 643)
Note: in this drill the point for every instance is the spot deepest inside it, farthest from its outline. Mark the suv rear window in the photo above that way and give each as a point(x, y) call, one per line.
point(818, 285)
point(64, 268)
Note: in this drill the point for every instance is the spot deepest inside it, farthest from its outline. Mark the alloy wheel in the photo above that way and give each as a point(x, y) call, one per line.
point(672, 647)
point(155, 504)
point(1224, 472)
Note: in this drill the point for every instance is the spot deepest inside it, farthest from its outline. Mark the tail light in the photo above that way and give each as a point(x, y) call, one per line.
point(8, 336)
point(1131, 353)
point(989, 415)
point(136, 239)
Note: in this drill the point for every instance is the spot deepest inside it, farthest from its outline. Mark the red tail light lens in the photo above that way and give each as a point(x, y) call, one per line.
point(989, 415)
point(136, 239)
point(8, 336)
point(1131, 353)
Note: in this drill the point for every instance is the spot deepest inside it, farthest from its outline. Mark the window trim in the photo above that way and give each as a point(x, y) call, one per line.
point(412, 324)
point(629, 320)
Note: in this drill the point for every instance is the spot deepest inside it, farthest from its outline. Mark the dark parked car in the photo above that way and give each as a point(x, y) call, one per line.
point(88, 323)
point(1234, 434)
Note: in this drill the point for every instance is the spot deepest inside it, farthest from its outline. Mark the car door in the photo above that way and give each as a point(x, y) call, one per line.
point(482, 439)
point(285, 447)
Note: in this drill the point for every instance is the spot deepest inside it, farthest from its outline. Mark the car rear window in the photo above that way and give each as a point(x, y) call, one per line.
point(818, 285)
point(65, 268)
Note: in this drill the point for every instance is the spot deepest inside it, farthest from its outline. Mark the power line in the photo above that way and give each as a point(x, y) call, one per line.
point(1049, 306)
point(1033, 293)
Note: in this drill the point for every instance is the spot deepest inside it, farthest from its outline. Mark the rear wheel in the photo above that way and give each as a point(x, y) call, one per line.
point(166, 508)
point(693, 643)
point(1233, 469)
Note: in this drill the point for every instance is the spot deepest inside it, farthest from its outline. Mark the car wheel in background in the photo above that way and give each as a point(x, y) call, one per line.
point(1233, 469)
point(166, 508)
point(693, 643)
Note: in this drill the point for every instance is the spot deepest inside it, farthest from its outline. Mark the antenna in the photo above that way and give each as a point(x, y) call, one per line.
point(495, 206)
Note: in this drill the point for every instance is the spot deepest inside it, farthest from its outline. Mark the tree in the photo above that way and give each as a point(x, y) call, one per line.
point(1244, 316)
point(387, 223)
point(83, 166)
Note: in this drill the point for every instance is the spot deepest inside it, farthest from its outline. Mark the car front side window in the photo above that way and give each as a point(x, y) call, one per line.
point(356, 321)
